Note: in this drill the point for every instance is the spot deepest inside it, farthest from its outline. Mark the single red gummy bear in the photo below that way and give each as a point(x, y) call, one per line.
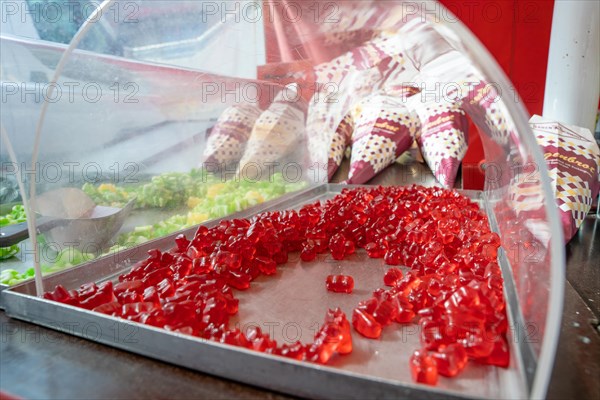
point(337, 245)
point(340, 283)
point(500, 355)
point(450, 359)
point(423, 368)
point(392, 276)
point(338, 318)
point(104, 294)
point(365, 324)
point(374, 250)
point(61, 295)
point(309, 252)
point(266, 265)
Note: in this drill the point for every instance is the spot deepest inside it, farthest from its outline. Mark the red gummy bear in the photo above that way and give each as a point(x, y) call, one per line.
point(337, 245)
point(392, 276)
point(340, 283)
point(500, 355)
point(365, 324)
point(450, 359)
point(423, 368)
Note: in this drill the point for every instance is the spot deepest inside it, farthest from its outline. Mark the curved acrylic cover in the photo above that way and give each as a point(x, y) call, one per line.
point(143, 105)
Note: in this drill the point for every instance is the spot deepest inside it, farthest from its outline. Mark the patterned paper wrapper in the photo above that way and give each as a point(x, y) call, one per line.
point(278, 131)
point(342, 138)
point(483, 104)
point(339, 143)
point(447, 71)
point(344, 81)
point(384, 129)
point(443, 140)
point(573, 160)
point(227, 139)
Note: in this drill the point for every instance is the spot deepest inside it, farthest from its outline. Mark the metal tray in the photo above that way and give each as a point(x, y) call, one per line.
point(290, 306)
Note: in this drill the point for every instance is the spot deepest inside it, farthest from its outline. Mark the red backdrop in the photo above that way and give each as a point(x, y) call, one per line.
point(517, 33)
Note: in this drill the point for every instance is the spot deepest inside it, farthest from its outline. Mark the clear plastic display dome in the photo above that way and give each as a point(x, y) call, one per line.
point(192, 111)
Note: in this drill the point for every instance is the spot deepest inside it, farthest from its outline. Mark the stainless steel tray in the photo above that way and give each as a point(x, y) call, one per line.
point(291, 306)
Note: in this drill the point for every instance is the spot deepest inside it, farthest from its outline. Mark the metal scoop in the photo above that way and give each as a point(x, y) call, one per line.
point(69, 218)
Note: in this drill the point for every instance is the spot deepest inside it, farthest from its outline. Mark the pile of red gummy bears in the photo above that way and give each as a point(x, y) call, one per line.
point(453, 287)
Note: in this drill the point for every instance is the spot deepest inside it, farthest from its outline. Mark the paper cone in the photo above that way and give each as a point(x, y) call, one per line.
point(443, 139)
point(573, 161)
point(278, 131)
point(384, 129)
point(227, 140)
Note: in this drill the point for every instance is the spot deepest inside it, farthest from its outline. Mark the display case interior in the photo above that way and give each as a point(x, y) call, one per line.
point(176, 125)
